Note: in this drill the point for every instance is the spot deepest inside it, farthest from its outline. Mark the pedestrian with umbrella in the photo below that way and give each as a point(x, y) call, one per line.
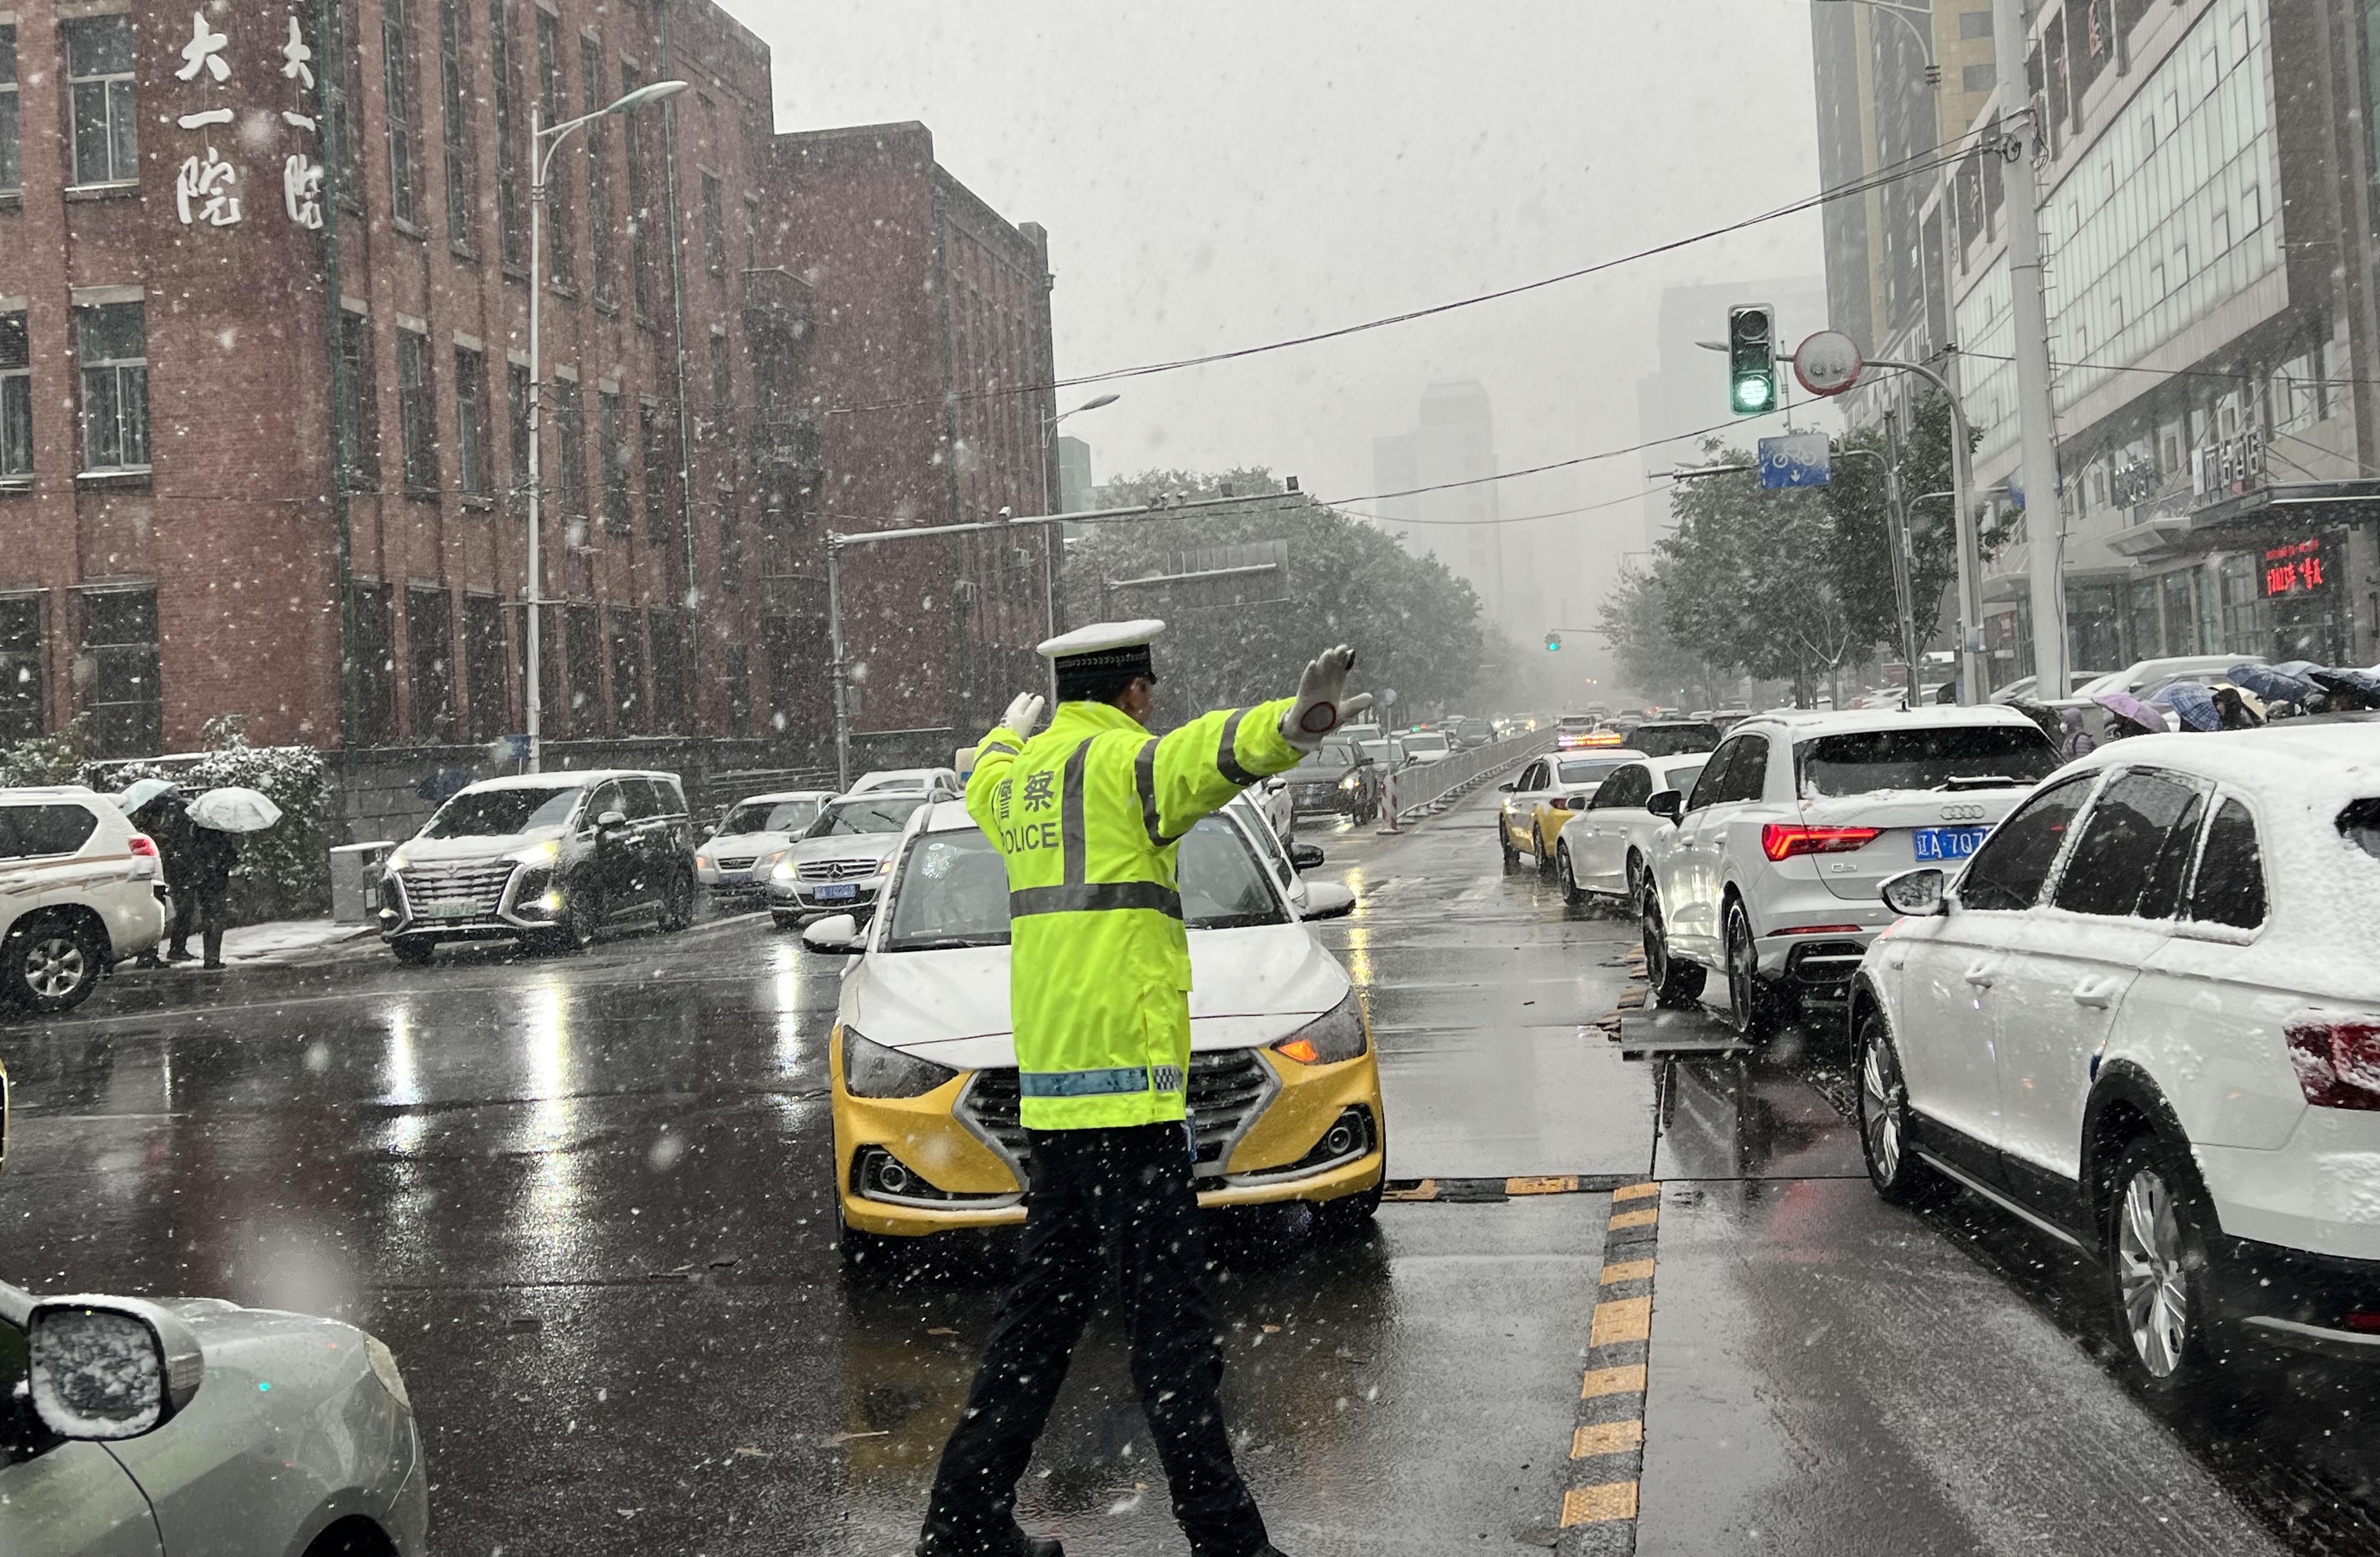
point(217, 819)
point(151, 806)
point(2239, 709)
point(2129, 716)
point(2193, 705)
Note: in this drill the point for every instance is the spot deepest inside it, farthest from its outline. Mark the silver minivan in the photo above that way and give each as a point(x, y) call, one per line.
point(545, 858)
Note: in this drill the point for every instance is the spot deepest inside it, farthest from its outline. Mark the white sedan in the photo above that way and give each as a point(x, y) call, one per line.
point(2145, 1019)
point(750, 832)
point(133, 1428)
point(1601, 851)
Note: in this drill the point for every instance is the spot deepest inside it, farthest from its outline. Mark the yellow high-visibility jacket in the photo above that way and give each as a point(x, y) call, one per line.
point(1089, 814)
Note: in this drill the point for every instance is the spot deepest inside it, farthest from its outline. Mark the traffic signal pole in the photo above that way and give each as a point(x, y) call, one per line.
point(2021, 139)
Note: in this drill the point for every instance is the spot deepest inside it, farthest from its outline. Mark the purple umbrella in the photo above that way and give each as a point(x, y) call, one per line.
point(2195, 704)
point(2131, 710)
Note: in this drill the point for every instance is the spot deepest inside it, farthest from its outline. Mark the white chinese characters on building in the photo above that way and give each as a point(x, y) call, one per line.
point(202, 191)
point(296, 58)
point(204, 52)
point(301, 189)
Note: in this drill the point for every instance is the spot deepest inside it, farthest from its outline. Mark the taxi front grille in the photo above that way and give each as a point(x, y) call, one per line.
point(1228, 1089)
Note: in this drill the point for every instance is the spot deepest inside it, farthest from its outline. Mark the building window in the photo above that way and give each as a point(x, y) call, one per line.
point(111, 344)
point(1975, 24)
point(655, 429)
point(751, 232)
point(1979, 78)
point(641, 248)
point(739, 687)
point(627, 671)
point(517, 418)
point(397, 50)
point(548, 97)
point(471, 422)
point(12, 164)
point(585, 671)
point(484, 662)
point(24, 690)
point(359, 406)
point(416, 414)
point(731, 543)
point(375, 665)
point(612, 451)
point(714, 230)
point(569, 451)
point(119, 672)
point(458, 164)
point(722, 390)
point(99, 86)
point(430, 642)
point(16, 397)
point(673, 693)
point(599, 213)
point(346, 45)
point(510, 230)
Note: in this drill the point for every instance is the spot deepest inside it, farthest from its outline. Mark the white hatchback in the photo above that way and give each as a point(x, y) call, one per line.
point(79, 892)
point(2145, 1018)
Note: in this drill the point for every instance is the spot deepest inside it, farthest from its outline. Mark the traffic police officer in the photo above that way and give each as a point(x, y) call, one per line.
point(1089, 814)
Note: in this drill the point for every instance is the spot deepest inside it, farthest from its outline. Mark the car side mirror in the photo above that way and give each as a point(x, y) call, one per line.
point(611, 821)
point(1667, 804)
point(1917, 894)
point(1328, 900)
point(837, 934)
point(109, 1368)
point(1505, 788)
point(1305, 857)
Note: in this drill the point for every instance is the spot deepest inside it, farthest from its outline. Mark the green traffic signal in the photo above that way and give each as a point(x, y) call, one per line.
point(1553, 642)
point(1755, 394)
point(1752, 359)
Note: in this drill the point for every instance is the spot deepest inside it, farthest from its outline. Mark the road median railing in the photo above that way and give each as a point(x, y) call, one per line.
point(1426, 789)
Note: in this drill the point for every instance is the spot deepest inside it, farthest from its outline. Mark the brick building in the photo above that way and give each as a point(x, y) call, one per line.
point(184, 435)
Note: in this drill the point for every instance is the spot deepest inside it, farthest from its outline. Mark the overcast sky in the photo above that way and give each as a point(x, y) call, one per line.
point(1232, 172)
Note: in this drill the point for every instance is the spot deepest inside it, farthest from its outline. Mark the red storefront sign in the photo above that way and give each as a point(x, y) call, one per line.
point(2296, 568)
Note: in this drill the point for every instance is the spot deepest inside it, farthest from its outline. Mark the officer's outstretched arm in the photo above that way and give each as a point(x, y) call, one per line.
point(996, 753)
point(1200, 767)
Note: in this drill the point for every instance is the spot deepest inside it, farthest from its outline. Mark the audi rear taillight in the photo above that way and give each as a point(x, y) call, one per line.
point(1783, 840)
point(2338, 1063)
point(143, 845)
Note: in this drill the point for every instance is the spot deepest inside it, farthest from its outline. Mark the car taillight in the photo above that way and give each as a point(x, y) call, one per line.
point(1783, 840)
point(2338, 1063)
point(2365, 1320)
point(143, 845)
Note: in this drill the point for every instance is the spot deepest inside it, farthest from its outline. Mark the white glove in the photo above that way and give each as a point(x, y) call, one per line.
point(1023, 714)
point(1322, 702)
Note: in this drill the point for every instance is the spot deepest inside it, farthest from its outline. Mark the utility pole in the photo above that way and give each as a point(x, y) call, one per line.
point(1904, 560)
point(2045, 527)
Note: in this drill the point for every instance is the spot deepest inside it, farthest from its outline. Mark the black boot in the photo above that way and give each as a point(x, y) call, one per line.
point(1016, 1544)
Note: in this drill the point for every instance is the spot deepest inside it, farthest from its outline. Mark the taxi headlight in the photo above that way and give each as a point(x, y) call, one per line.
point(871, 1070)
point(1329, 1038)
point(383, 1367)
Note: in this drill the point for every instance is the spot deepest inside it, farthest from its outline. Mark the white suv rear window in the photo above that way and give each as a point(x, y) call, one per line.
point(1923, 757)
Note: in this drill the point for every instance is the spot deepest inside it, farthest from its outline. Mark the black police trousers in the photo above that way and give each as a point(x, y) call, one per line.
point(1113, 1215)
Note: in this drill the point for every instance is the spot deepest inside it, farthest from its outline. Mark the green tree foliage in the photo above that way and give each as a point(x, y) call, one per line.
point(1414, 625)
point(1653, 663)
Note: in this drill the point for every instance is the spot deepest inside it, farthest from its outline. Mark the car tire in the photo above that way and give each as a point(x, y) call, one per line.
point(677, 904)
point(1754, 1009)
point(1635, 884)
point(1892, 1165)
point(1504, 842)
point(2155, 1254)
point(1537, 854)
point(1674, 983)
point(582, 916)
point(50, 963)
point(413, 951)
point(1567, 873)
point(1348, 1217)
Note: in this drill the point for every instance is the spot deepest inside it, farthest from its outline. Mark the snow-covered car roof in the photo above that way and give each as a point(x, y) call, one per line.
point(576, 778)
point(1804, 722)
point(784, 795)
point(897, 778)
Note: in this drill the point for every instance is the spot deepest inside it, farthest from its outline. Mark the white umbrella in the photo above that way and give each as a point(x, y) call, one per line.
point(234, 809)
point(141, 792)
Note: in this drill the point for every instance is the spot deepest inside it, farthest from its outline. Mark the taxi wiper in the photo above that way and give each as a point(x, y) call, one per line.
point(947, 942)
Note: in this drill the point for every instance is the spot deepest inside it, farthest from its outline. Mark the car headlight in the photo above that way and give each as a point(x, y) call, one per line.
point(702, 860)
point(1353, 781)
point(544, 853)
point(383, 1367)
point(1329, 1038)
point(397, 862)
point(871, 1070)
point(782, 870)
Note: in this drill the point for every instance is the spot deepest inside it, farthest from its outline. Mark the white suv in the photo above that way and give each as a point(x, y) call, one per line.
point(79, 892)
point(1771, 870)
point(2146, 1020)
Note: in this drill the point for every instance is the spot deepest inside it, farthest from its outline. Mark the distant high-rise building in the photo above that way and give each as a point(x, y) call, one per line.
point(1689, 389)
point(1073, 474)
point(1455, 442)
point(1392, 471)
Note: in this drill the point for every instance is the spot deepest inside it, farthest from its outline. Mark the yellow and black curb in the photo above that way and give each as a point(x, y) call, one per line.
point(1606, 1453)
point(1473, 1191)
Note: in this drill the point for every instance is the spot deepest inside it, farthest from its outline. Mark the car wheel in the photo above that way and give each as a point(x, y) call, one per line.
point(1674, 983)
point(1537, 848)
point(1504, 842)
point(1568, 873)
point(1348, 1217)
point(1636, 884)
point(677, 904)
point(1753, 1007)
point(1892, 1166)
point(413, 951)
point(2155, 1244)
point(582, 916)
point(52, 963)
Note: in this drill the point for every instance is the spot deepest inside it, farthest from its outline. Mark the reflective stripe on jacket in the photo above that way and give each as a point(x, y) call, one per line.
point(1089, 814)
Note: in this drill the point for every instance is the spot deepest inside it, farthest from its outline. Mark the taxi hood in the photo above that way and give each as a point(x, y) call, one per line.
point(1252, 985)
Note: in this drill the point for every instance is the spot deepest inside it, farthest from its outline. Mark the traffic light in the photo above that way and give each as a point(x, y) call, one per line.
point(1553, 643)
point(1752, 359)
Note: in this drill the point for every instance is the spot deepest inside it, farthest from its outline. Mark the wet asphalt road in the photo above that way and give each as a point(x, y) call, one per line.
point(586, 1201)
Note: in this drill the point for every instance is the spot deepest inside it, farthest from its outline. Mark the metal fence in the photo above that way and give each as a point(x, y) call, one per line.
point(1425, 789)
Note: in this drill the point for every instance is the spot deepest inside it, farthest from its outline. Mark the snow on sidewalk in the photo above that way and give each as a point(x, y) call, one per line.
point(277, 940)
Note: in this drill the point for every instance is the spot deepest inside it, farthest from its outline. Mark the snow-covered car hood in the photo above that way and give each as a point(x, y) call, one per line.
point(1253, 985)
point(736, 845)
point(844, 846)
point(422, 851)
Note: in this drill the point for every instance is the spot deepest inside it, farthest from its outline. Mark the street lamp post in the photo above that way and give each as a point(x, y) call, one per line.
point(538, 134)
point(1054, 542)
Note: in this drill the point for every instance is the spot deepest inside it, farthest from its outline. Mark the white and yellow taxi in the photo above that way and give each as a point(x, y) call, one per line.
point(1550, 790)
point(1284, 1091)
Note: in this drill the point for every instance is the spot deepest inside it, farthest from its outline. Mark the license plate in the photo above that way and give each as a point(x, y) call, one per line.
point(451, 910)
point(1949, 843)
point(839, 892)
